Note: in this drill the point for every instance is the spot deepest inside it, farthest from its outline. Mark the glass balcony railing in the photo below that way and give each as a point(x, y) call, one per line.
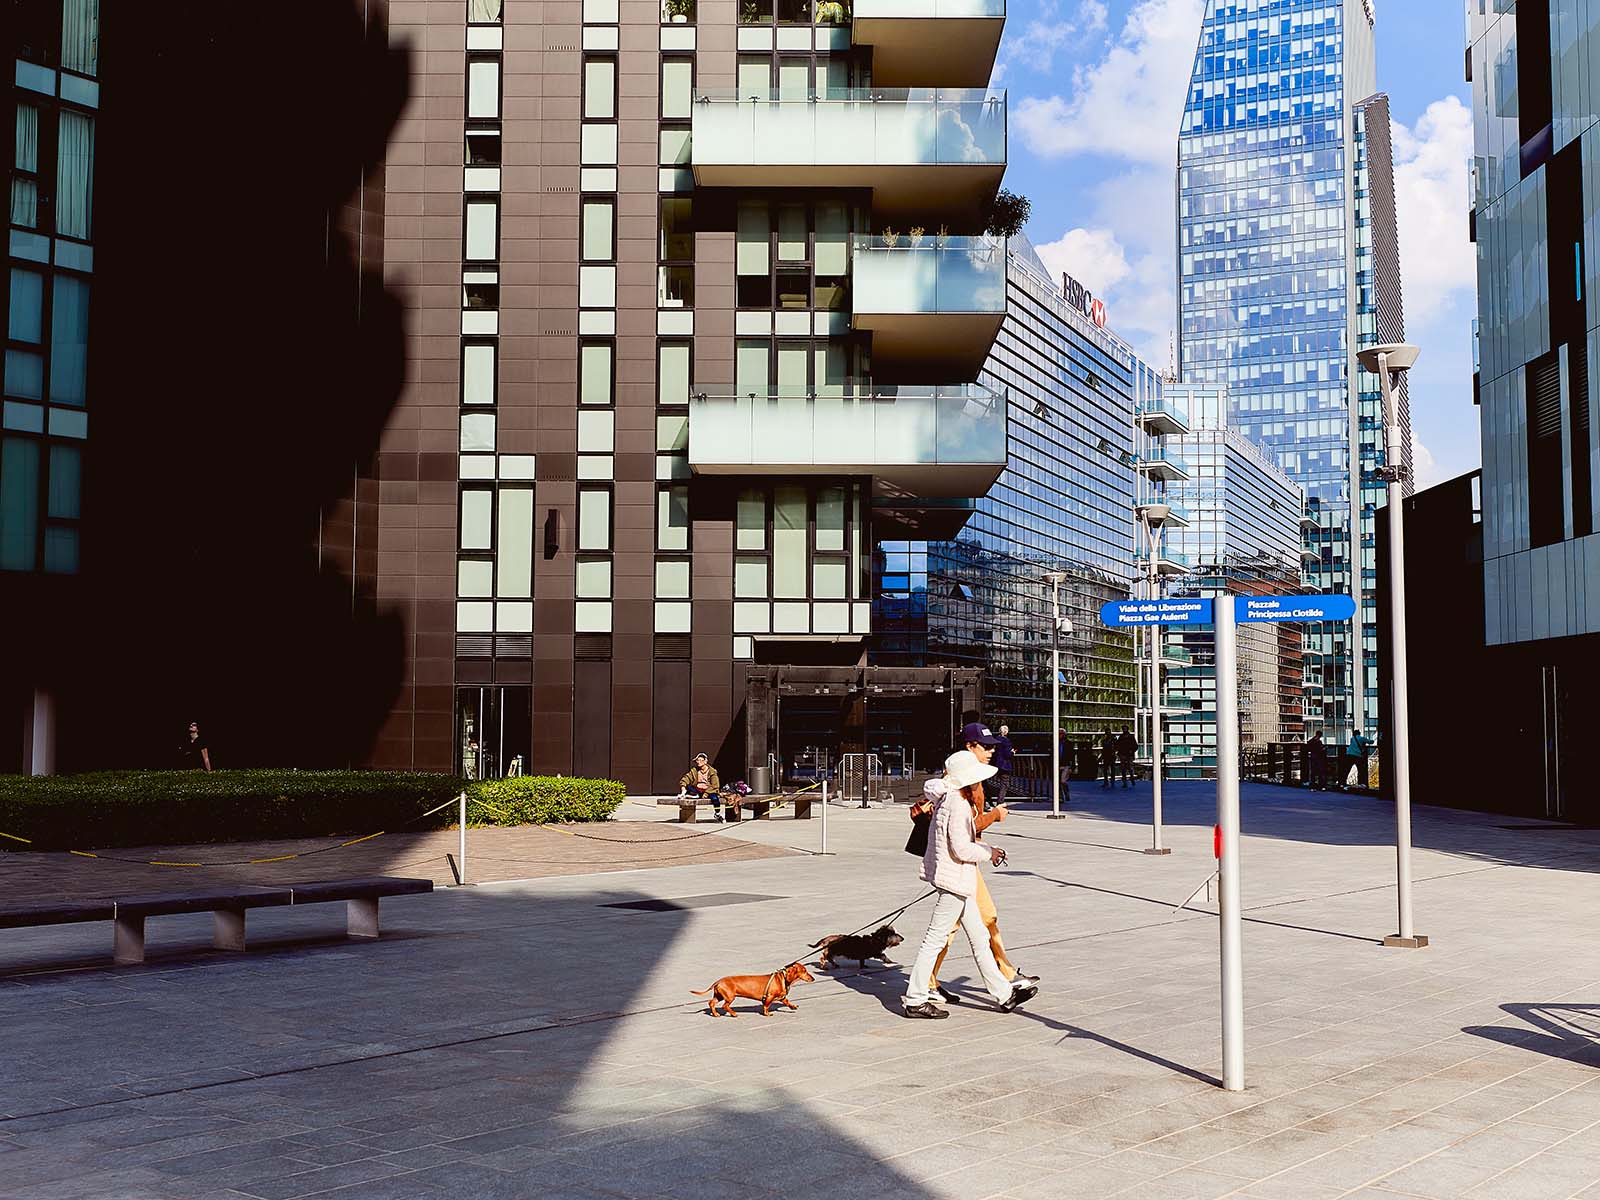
point(938, 441)
point(1162, 417)
point(1177, 655)
point(868, 126)
point(1161, 463)
point(943, 9)
point(933, 275)
point(915, 42)
point(1168, 562)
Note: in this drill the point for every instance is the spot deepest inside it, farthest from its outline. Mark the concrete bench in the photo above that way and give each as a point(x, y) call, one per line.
point(227, 905)
point(759, 807)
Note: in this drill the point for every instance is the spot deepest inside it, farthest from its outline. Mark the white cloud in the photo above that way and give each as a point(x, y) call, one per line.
point(1093, 257)
point(1050, 32)
point(1424, 469)
point(1128, 104)
point(1430, 186)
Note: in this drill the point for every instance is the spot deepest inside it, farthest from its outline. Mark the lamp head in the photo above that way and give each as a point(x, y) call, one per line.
point(1401, 356)
point(1153, 514)
point(1055, 577)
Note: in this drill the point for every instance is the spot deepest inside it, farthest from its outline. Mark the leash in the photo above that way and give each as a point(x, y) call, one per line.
point(887, 918)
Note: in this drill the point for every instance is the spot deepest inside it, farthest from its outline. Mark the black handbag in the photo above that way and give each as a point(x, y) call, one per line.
point(917, 843)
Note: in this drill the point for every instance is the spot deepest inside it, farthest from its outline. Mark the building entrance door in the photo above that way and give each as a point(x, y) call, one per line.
point(494, 731)
point(1555, 805)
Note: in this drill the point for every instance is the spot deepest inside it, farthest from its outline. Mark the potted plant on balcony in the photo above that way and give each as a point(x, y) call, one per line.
point(1006, 214)
point(678, 11)
point(890, 237)
point(917, 233)
point(941, 239)
point(831, 12)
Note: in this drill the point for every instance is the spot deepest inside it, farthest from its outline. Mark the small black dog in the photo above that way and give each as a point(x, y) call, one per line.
point(859, 946)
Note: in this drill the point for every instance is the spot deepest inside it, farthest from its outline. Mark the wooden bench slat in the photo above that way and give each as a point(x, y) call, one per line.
point(164, 904)
point(29, 916)
point(372, 888)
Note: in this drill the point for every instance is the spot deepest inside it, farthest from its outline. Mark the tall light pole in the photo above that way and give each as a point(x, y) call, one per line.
point(1055, 579)
point(1389, 361)
point(1152, 517)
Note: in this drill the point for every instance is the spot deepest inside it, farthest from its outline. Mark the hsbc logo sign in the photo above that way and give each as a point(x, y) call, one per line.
point(1083, 300)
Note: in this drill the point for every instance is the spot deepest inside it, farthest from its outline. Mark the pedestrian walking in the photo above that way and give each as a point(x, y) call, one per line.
point(1355, 759)
point(1127, 747)
point(1004, 762)
point(950, 864)
point(1108, 757)
point(701, 780)
point(1317, 763)
point(195, 753)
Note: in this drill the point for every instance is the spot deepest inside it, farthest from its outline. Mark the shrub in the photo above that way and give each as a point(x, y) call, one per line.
point(1006, 214)
point(542, 799)
point(138, 808)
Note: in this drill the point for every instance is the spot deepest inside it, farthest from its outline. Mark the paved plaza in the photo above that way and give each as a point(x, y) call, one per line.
point(532, 1039)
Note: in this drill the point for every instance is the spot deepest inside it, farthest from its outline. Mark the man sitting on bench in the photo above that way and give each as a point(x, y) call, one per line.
point(701, 781)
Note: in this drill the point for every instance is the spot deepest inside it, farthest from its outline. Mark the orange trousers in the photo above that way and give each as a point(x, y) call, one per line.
point(991, 921)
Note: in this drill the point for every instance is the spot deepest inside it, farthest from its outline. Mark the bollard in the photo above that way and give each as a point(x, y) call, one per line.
point(1226, 843)
point(824, 816)
point(463, 846)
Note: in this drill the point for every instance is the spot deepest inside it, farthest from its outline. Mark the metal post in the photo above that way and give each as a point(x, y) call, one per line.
point(463, 845)
point(1157, 696)
point(824, 816)
point(1229, 919)
point(1401, 731)
point(1055, 697)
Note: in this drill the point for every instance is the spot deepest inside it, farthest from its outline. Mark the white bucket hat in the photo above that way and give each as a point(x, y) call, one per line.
point(962, 769)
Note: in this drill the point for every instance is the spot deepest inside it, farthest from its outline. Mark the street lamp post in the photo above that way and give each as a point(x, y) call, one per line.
point(1388, 361)
point(1055, 579)
point(1152, 517)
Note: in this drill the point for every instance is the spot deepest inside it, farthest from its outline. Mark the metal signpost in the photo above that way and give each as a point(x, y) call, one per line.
point(1055, 579)
point(1225, 613)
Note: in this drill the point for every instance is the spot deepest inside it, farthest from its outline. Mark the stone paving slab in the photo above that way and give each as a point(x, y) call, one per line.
point(522, 1039)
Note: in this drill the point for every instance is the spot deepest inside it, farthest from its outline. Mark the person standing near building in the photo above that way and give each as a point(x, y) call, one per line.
point(1004, 762)
point(1355, 759)
point(1064, 749)
point(950, 864)
point(1108, 757)
point(1127, 747)
point(1317, 764)
point(701, 780)
point(195, 753)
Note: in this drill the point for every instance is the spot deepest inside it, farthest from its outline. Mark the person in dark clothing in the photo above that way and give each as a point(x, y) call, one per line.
point(1355, 759)
point(1127, 747)
point(1317, 764)
point(1066, 750)
point(1108, 758)
point(194, 754)
point(1004, 763)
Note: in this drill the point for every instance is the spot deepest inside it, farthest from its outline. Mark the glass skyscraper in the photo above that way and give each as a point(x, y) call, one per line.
point(1288, 264)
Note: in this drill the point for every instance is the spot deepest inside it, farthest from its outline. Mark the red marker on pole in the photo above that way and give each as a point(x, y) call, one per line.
point(1216, 841)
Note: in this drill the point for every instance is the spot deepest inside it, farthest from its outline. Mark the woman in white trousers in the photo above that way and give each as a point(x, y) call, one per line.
point(950, 864)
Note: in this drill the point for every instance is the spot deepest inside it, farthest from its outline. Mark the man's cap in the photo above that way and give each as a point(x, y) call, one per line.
point(977, 731)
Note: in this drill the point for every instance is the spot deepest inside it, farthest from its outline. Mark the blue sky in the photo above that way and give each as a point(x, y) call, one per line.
point(1096, 88)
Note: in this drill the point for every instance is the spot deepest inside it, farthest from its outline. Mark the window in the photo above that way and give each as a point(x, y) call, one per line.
point(25, 191)
point(477, 432)
point(595, 431)
point(751, 520)
point(789, 550)
point(677, 88)
point(673, 373)
point(26, 322)
point(597, 287)
point(677, 229)
point(794, 78)
point(515, 560)
point(751, 256)
point(69, 340)
point(600, 88)
point(828, 579)
point(599, 222)
point(830, 518)
point(594, 579)
point(483, 148)
point(80, 36)
point(477, 373)
point(66, 482)
point(672, 579)
point(477, 518)
point(483, 89)
point(674, 147)
point(594, 373)
point(474, 578)
point(750, 577)
point(755, 77)
point(672, 518)
point(19, 504)
point(675, 286)
point(594, 519)
point(483, 235)
point(483, 12)
point(672, 433)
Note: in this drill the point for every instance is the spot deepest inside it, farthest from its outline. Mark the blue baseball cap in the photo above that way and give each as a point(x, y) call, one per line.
point(977, 731)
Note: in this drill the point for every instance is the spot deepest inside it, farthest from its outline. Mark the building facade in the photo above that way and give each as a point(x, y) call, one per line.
point(52, 105)
point(700, 296)
point(1536, 196)
point(1288, 265)
point(1242, 535)
point(1062, 503)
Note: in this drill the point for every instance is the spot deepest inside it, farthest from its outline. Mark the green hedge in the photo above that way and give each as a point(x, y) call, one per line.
point(136, 808)
point(542, 799)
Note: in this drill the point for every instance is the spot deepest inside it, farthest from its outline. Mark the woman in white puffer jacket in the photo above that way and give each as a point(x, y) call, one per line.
point(950, 864)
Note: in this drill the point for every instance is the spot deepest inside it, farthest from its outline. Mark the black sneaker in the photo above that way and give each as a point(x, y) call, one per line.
point(949, 996)
point(1023, 977)
point(717, 817)
point(1020, 995)
point(926, 1011)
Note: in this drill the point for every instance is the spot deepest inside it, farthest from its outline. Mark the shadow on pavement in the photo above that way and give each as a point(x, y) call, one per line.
point(1569, 1031)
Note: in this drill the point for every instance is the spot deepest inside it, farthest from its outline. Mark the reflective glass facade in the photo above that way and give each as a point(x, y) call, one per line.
point(1064, 502)
point(1278, 194)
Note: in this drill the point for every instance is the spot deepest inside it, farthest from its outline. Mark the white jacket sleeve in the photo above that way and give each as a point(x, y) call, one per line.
point(964, 847)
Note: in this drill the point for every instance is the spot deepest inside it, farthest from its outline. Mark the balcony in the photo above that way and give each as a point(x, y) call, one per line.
point(1176, 516)
point(917, 43)
point(1168, 562)
point(934, 308)
point(1176, 656)
point(1162, 418)
point(1164, 465)
point(1170, 704)
point(923, 446)
point(930, 156)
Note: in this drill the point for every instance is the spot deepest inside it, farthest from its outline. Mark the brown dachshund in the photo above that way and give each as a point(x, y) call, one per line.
point(769, 989)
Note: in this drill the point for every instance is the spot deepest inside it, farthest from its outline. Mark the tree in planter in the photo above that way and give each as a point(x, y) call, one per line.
point(1006, 214)
point(679, 11)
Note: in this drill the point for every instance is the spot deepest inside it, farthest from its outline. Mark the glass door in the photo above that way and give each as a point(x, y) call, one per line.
point(494, 731)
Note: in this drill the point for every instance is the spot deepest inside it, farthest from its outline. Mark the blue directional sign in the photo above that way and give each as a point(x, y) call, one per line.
point(1125, 613)
point(1294, 608)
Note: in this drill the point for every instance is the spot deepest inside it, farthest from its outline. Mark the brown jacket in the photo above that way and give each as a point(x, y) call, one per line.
point(690, 780)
